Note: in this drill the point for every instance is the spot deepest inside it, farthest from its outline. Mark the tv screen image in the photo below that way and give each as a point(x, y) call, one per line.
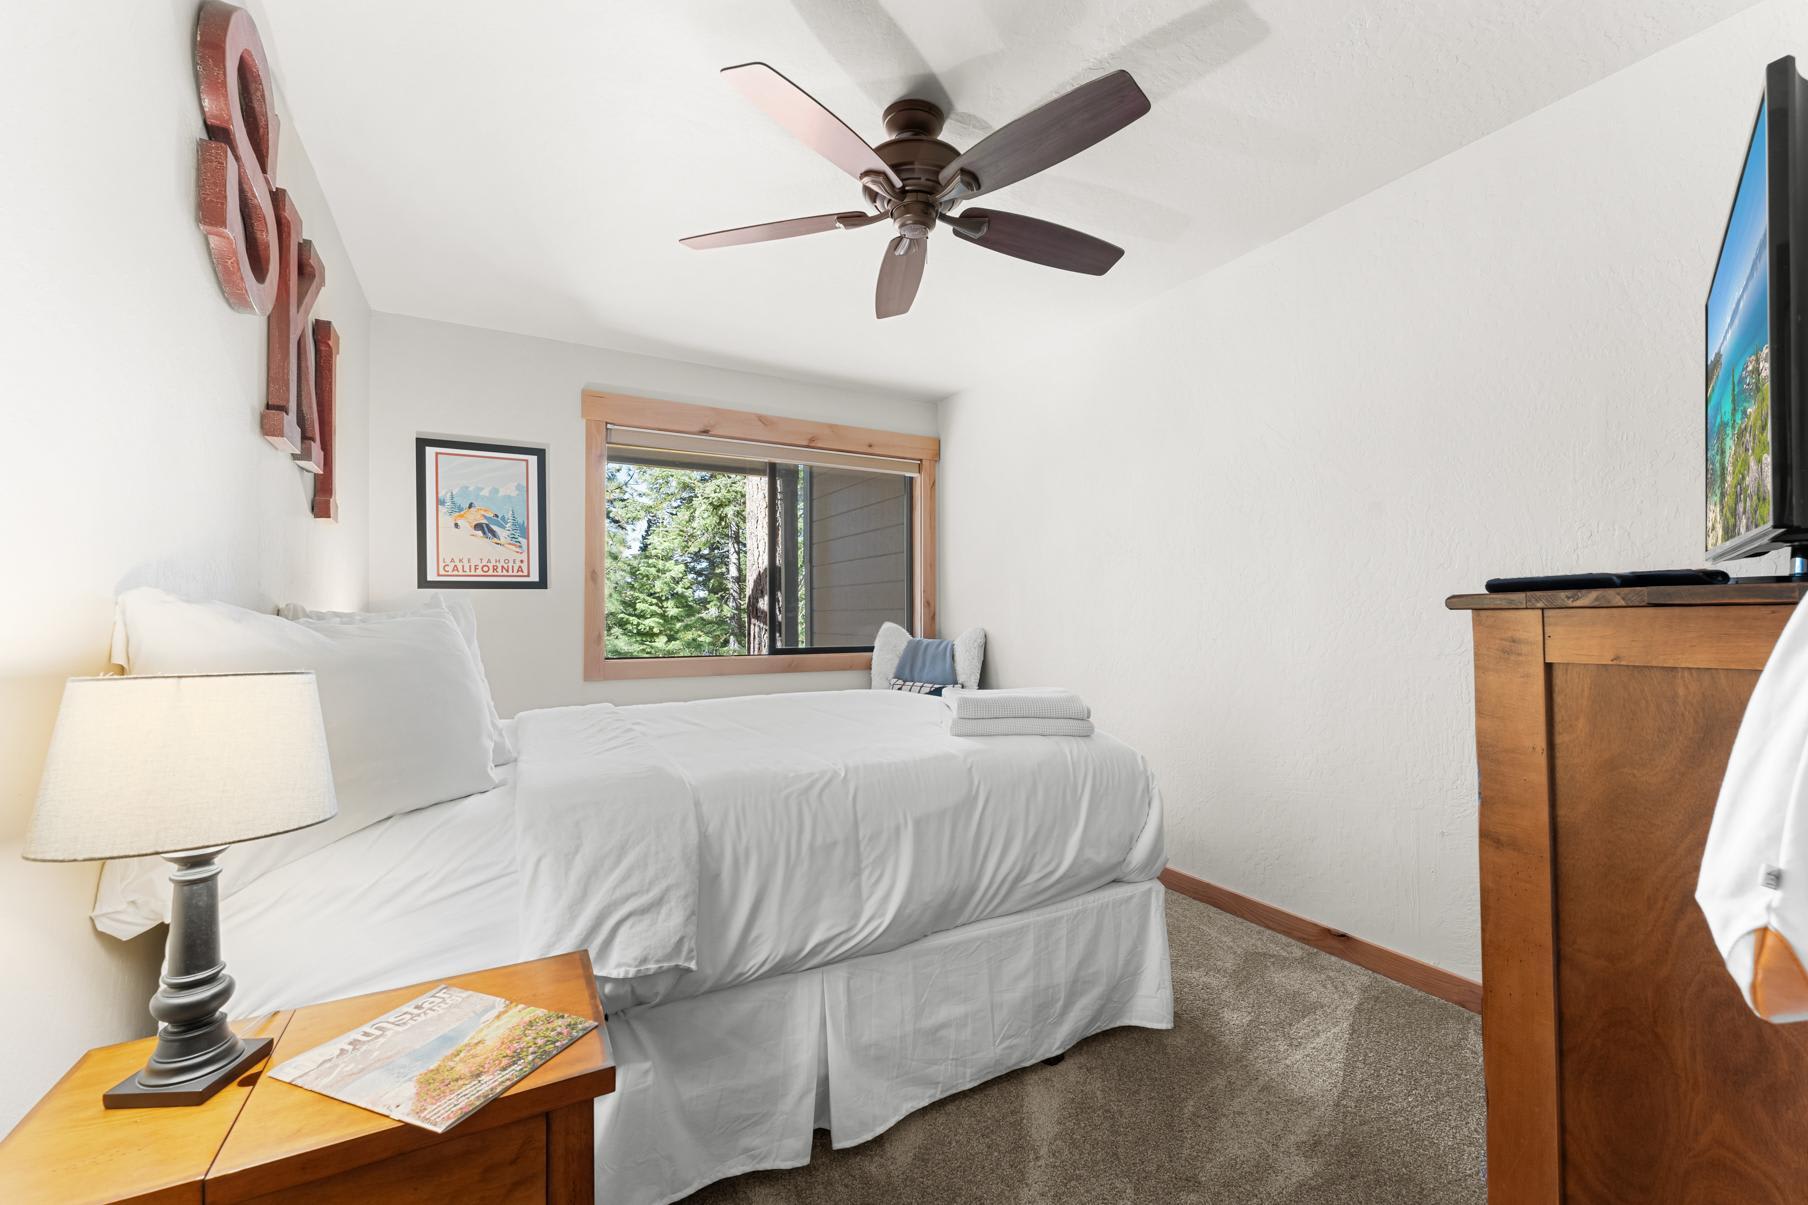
point(1738, 368)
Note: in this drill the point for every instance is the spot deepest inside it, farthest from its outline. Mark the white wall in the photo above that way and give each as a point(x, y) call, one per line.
point(433, 378)
point(131, 453)
point(1246, 501)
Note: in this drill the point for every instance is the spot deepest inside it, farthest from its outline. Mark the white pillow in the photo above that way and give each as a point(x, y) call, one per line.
point(406, 724)
point(464, 615)
point(888, 646)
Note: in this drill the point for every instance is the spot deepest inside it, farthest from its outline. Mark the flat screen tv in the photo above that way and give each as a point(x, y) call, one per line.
point(1757, 407)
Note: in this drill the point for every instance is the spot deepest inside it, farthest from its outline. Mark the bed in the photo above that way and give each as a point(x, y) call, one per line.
point(812, 910)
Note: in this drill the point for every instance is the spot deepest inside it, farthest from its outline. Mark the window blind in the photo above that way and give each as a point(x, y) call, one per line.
point(740, 455)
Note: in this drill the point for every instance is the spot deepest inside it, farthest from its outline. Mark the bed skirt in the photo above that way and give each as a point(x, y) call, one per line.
point(736, 1080)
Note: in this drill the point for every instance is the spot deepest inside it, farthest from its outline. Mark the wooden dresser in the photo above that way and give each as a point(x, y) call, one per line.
point(1622, 1065)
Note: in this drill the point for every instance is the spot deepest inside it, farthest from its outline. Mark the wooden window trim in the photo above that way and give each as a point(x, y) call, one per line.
point(652, 414)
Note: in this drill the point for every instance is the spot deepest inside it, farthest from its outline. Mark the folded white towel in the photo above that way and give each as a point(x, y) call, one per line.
point(1018, 726)
point(1022, 702)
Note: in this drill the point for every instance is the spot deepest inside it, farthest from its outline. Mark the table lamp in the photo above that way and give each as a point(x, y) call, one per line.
point(183, 765)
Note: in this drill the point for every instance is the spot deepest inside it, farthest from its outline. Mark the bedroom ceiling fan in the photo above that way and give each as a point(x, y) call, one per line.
point(915, 180)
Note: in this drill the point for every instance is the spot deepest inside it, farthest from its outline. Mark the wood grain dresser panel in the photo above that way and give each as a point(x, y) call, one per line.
point(1679, 637)
point(1519, 1004)
point(1672, 1091)
point(503, 1166)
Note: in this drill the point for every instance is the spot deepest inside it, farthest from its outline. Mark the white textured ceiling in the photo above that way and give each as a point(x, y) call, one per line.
point(529, 165)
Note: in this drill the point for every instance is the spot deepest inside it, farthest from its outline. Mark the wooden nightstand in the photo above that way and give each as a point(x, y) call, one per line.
point(268, 1142)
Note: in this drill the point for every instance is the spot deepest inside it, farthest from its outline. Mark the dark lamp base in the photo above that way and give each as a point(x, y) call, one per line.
point(197, 1052)
point(130, 1094)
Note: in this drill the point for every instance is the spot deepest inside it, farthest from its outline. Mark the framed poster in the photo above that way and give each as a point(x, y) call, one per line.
point(480, 515)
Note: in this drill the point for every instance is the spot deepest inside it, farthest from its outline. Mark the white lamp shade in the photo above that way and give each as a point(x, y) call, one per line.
point(148, 765)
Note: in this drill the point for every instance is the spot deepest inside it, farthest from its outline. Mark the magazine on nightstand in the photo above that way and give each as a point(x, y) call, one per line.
point(437, 1059)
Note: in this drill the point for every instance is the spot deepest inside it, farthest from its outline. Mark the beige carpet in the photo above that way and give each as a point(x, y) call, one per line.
point(1289, 1078)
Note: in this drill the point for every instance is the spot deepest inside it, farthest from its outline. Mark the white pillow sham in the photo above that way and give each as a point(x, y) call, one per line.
point(464, 615)
point(407, 724)
point(888, 646)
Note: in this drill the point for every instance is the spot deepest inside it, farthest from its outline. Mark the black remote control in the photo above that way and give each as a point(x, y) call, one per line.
point(1676, 577)
point(1609, 581)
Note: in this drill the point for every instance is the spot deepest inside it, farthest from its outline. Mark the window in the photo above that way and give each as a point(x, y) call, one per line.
point(731, 542)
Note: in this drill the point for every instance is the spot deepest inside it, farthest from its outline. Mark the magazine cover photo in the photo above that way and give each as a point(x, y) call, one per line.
point(437, 1059)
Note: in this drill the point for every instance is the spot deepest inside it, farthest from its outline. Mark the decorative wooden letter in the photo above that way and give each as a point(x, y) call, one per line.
point(238, 156)
point(326, 367)
point(254, 235)
point(289, 394)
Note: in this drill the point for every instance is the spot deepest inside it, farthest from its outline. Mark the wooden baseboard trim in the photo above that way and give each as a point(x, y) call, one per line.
point(1421, 976)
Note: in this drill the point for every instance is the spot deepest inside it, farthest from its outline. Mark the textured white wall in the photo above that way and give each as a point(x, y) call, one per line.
point(433, 378)
point(1234, 514)
point(131, 454)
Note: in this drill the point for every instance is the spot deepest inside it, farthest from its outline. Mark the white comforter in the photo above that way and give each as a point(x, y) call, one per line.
point(691, 846)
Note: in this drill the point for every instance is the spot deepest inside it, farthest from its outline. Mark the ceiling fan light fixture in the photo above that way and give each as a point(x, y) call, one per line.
point(915, 218)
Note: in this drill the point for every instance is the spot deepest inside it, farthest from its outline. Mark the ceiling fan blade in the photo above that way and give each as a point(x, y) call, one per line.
point(900, 275)
point(1038, 241)
point(765, 232)
point(1063, 127)
point(808, 121)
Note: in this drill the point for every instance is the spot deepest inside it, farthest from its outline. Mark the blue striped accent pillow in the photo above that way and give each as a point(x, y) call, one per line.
point(925, 667)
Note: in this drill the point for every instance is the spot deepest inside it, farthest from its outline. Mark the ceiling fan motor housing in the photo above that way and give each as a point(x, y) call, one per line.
point(917, 156)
